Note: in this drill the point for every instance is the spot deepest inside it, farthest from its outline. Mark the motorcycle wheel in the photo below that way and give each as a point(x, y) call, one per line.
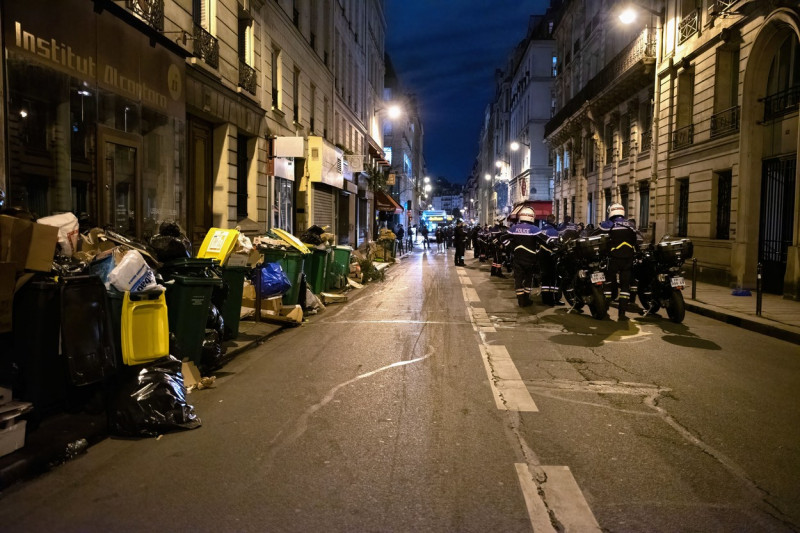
point(676, 310)
point(568, 290)
point(598, 306)
point(547, 298)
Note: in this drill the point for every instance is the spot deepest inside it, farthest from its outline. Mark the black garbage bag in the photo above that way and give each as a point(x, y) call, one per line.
point(152, 401)
point(171, 243)
point(215, 321)
point(212, 354)
point(312, 235)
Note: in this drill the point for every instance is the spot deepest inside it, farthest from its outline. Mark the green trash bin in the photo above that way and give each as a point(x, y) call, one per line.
point(291, 263)
point(316, 269)
point(188, 303)
point(341, 266)
point(232, 308)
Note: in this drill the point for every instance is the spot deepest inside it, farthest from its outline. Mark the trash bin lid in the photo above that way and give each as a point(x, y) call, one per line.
point(291, 239)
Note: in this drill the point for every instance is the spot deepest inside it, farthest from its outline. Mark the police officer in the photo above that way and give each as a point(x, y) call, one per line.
point(497, 236)
point(624, 244)
point(548, 238)
point(460, 241)
point(524, 243)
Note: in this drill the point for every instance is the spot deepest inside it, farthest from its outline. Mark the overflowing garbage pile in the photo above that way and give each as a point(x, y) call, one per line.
point(95, 310)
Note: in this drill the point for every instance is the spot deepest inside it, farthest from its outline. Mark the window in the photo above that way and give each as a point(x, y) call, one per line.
point(241, 177)
point(607, 195)
point(590, 157)
point(682, 192)
point(296, 96)
point(684, 132)
point(204, 13)
point(646, 127)
point(276, 78)
point(644, 204)
point(625, 134)
point(609, 142)
point(723, 205)
point(726, 93)
point(589, 209)
point(623, 197)
point(313, 114)
point(246, 53)
point(572, 208)
point(783, 84)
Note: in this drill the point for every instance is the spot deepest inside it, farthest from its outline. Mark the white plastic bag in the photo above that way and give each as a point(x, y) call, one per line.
point(244, 245)
point(67, 224)
point(132, 273)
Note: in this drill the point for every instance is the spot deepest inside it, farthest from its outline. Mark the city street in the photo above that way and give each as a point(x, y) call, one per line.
point(432, 402)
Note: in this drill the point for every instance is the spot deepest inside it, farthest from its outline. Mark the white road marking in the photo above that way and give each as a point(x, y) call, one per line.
point(555, 500)
point(510, 392)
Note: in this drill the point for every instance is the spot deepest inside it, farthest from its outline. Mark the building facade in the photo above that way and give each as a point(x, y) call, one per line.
point(214, 113)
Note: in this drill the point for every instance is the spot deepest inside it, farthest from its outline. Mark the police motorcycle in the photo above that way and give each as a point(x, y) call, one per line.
point(658, 270)
point(580, 266)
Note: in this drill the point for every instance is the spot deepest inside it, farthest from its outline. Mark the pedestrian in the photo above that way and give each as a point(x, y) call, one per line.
point(460, 241)
point(473, 235)
point(399, 234)
point(623, 242)
point(423, 229)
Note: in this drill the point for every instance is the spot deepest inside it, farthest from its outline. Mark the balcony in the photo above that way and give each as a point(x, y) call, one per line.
point(725, 122)
point(206, 46)
point(781, 103)
point(630, 71)
point(688, 26)
point(247, 77)
point(151, 11)
point(647, 141)
point(683, 137)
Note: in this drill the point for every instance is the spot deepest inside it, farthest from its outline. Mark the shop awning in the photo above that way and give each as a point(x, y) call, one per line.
point(384, 202)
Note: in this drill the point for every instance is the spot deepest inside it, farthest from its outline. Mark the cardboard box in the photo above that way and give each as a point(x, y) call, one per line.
point(8, 275)
point(27, 244)
point(12, 437)
point(42, 248)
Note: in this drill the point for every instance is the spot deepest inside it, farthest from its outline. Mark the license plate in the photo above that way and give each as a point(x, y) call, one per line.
point(598, 277)
point(677, 282)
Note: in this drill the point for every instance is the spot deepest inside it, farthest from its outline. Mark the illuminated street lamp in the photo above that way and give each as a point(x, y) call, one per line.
point(487, 177)
point(629, 13)
point(515, 145)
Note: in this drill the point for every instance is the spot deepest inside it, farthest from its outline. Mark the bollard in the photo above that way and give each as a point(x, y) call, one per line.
point(758, 290)
point(694, 278)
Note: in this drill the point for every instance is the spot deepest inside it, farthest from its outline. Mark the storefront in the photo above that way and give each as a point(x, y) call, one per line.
point(95, 119)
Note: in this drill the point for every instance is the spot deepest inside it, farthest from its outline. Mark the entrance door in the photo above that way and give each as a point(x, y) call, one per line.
point(201, 184)
point(121, 201)
point(777, 214)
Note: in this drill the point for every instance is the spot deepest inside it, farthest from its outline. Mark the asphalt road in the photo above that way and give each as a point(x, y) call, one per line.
point(431, 402)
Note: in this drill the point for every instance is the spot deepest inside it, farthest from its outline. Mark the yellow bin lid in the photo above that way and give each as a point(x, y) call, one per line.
point(218, 244)
point(291, 239)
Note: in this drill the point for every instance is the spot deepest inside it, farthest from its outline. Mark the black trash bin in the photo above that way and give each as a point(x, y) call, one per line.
point(41, 376)
point(87, 341)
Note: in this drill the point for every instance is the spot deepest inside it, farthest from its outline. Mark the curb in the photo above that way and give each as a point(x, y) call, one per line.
point(744, 322)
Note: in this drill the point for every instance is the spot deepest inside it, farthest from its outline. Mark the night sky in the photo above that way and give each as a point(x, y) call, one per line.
point(446, 51)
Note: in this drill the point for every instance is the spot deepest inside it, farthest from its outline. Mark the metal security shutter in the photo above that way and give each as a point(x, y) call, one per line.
point(323, 206)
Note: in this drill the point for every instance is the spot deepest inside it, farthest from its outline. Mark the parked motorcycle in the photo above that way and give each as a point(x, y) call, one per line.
point(580, 266)
point(658, 270)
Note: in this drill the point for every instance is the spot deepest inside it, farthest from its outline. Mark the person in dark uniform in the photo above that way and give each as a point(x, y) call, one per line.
point(623, 240)
point(473, 235)
point(496, 239)
point(460, 241)
point(548, 238)
point(524, 241)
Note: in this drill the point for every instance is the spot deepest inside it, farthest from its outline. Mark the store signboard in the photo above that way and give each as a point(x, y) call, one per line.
point(97, 48)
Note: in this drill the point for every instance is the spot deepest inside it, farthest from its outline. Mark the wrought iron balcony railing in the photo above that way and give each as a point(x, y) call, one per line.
point(683, 137)
point(247, 77)
point(725, 122)
point(781, 103)
point(723, 5)
point(151, 11)
point(206, 46)
point(643, 47)
point(626, 149)
point(688, 26)
point(647, 141)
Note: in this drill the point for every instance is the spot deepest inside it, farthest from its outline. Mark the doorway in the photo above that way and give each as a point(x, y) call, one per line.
point(777, 216)
point(200, 190)
point(121, 198)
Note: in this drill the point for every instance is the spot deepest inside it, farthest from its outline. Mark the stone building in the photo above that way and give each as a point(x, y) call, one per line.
point(214, 113)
